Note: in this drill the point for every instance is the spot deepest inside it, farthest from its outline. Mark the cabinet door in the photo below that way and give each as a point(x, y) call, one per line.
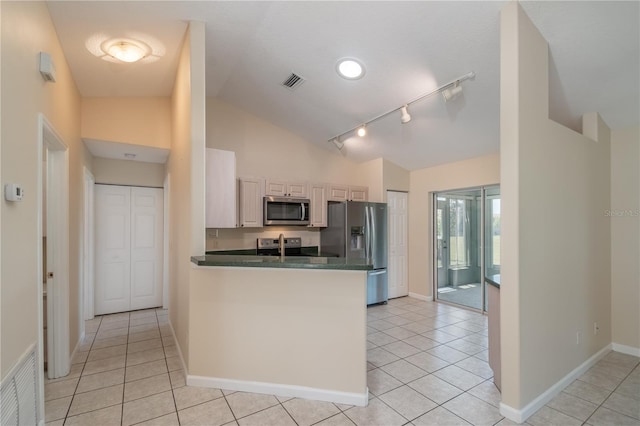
point(297, 190)
point(221, 200)
point(338, 192)
point(276, 188)
point(358, 193)
point(250, 195)
point(318, 205)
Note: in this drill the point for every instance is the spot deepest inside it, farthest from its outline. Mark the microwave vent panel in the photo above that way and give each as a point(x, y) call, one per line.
point(293, 81)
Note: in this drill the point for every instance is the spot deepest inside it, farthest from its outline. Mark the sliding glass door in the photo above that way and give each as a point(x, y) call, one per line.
point(463, 219)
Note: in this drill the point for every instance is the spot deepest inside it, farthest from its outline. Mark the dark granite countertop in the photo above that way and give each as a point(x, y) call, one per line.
point(494, 280)
point(296, 262)
point(310, 251)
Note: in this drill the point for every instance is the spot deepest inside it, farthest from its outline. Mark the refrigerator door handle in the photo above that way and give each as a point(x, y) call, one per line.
point(373, 232)
point(366, 233)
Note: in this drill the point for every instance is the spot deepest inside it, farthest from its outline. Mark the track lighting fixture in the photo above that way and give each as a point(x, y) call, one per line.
point(449, 92)
point(452, 92)
point(405, 117)
point(339, 144)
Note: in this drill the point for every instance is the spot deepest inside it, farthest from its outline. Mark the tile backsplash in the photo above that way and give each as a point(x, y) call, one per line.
point(245, 238)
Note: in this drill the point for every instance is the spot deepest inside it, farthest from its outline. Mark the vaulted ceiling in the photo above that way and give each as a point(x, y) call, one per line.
point(408, 49)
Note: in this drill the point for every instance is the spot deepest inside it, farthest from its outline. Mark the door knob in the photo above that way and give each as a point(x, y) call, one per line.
point(50, 275)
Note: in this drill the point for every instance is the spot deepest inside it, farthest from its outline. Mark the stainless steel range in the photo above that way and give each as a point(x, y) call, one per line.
point(269, 246)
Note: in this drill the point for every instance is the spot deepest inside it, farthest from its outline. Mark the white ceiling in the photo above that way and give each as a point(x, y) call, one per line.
point(408, 48)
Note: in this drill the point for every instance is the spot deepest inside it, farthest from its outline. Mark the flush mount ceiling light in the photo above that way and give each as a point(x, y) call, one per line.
point(133, 47)
point(126, 50)
point(350, 68)
point(449, 91)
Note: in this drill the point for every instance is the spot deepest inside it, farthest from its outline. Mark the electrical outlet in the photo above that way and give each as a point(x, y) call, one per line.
point(577, 338)
point(596, 328)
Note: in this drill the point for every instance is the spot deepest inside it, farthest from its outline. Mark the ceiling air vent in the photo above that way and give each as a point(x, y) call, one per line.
point(293, 81)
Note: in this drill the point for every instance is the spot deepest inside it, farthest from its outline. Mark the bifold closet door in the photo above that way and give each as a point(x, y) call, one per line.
point(146, 247)
point(128, 250)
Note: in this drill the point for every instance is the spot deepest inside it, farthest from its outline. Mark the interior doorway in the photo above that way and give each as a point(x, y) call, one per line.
point(466, 244)
point(53, 258)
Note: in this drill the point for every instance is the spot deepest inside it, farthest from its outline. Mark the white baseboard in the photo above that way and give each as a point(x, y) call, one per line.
point(421, 297)
point(629, 350)
point(290, 391)
point(75, 350)
point(522, 415)
point(173, 334)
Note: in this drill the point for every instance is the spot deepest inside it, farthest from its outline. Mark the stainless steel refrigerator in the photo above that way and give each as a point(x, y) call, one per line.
point(358, 230)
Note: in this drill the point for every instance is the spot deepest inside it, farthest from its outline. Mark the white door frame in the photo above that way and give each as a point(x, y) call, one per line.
point(165, 266)
point(57, 216)
point(87, 264)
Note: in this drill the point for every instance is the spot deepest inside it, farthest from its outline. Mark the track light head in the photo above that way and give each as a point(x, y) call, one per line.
point(405, 117)
point(452, 92)
point(338, 143)
point(362, 131)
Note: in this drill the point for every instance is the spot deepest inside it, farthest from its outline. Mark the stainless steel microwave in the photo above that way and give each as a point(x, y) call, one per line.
point(286, 211)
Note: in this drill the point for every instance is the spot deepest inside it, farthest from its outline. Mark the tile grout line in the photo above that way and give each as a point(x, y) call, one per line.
point(64, 420)
point(608, 396)
point(431, 373)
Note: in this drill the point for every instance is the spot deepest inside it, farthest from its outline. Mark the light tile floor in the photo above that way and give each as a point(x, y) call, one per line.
point(427, 365)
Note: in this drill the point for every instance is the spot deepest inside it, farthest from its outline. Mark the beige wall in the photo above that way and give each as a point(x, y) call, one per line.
point(265, 150)
point(556, 267)
point(463, 174)
point(625, 237)
point(125, 172)
point(372, 172)
point(280, 326)
point(394, 178)
point(186, 212)
point(134, 120)
point(245, 238)
point(27, 30)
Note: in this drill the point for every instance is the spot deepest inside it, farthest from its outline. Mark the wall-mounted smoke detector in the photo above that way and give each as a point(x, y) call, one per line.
point(293, 81)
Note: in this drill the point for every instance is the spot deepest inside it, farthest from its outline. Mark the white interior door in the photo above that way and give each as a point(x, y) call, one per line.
point(113, 249)
point(146, 247)
point(398, 263)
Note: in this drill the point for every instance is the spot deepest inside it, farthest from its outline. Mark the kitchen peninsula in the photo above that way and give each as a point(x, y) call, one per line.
point(291, 326)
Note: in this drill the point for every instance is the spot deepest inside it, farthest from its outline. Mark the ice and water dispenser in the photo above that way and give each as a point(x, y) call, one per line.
point(357, 237)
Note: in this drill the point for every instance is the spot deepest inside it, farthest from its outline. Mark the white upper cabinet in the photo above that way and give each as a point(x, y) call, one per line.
point(250, 195)
point(358, 193)
point(317, 205)
point(221, 211)
point(348, 193)
point(279, 188)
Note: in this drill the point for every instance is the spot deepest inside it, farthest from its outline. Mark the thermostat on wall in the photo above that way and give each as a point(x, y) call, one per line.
point(13, 192)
